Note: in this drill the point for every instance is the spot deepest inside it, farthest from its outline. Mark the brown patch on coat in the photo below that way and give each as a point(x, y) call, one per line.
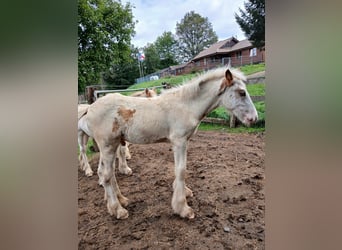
point(126, 114)
point(115, 125)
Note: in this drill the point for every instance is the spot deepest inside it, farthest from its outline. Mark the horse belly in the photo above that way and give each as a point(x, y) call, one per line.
point(146, 133)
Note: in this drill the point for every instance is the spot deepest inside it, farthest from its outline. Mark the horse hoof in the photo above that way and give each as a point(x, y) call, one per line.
point(190, 214)
point(118, 211)
point(187, 212)
point(90, 173)
point(126, 171)
point(122, 214)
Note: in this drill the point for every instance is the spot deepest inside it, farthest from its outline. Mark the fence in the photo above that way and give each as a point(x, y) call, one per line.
point(148, 77)
point(92, 93)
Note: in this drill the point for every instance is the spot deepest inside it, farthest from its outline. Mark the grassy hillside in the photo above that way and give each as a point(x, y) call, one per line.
point(177, 80)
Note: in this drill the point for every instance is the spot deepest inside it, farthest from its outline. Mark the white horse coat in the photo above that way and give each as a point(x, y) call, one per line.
point(173, 116)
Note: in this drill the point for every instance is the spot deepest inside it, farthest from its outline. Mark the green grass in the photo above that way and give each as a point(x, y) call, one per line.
point(260, 107)
point(220, 112)
point(224, 128)
point(256, 89)
point(252, 68)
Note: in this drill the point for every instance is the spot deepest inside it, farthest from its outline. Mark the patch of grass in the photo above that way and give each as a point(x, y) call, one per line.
point(224, 128)
point(220, 112)
point(260, 107)
point(252, 68)
point(256, 89)
point(90, 144)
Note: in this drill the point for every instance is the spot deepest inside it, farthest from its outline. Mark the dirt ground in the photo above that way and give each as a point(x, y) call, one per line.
point(226, 173)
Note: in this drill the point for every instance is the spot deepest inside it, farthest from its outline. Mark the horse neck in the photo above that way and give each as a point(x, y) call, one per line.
point(206, 100)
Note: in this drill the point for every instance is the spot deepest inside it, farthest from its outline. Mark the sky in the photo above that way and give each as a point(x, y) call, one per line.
point(156, 16)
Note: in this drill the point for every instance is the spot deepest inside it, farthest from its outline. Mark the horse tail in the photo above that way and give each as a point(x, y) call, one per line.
point(82, 110)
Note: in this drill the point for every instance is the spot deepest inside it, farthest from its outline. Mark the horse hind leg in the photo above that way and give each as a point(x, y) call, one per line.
point(128, 154)
point(107, 175)
point(84, 163)
point(123, 200)
point(121, 155)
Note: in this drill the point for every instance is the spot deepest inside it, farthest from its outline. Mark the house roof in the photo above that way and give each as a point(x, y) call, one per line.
point(223, 47)
point(174, 67)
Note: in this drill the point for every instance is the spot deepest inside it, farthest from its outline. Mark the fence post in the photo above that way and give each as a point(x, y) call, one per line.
point(90, 95)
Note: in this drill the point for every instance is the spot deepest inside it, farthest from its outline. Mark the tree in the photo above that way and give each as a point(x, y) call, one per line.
point(105, 28)
point(195, 33)
point(252, 22)
point(122, 75)
point(166, 46)
point(152, 59)
point(160, 54)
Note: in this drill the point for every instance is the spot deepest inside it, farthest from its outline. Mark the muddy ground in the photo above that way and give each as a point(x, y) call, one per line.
point(226, 173)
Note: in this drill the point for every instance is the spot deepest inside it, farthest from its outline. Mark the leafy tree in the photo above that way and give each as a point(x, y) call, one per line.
point(105, 28)
point(121, 76)
point(166, 46)
point(252, 22)
point(160, 54)
point(152, 59)
point(195, 33)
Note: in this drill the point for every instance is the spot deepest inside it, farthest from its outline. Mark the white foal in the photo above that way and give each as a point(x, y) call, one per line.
point(173, 116)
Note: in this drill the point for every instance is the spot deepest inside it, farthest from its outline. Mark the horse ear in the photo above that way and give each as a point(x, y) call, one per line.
point(229, 77)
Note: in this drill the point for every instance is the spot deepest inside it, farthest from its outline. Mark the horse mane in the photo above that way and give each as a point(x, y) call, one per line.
point(191, 87)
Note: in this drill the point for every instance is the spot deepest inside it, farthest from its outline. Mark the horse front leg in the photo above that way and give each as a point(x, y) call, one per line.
point(179, 204)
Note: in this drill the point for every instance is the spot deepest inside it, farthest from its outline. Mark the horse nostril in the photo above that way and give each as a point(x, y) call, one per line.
point(252, 119)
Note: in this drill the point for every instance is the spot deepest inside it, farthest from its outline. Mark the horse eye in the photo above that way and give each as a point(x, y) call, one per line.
point(242, 93)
